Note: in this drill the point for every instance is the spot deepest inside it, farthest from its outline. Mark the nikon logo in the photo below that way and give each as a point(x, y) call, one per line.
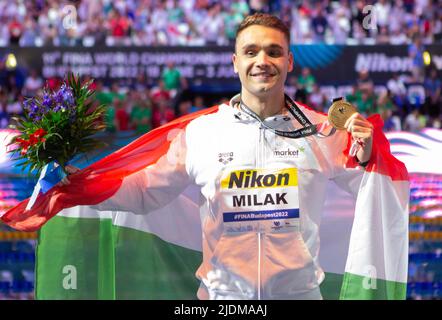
point(379, 62)
point(247, 179)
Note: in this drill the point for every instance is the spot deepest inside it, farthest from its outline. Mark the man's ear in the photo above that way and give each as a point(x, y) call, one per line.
point(290, 69)
point(235, 69)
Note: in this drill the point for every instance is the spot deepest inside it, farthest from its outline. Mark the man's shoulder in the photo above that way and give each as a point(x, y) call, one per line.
point(207, 124)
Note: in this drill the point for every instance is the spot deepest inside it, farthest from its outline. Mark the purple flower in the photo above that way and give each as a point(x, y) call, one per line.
point(34, 116)
point(68, 98)
point(64, 98)
point(58, 97)
point(57, 107)
point(47, 101)
point(31, 106)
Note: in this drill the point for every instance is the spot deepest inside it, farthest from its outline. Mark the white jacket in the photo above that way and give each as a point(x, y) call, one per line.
point(262, 197)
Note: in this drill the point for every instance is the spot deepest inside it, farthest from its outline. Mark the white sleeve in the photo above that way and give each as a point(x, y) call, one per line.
point(156, 185)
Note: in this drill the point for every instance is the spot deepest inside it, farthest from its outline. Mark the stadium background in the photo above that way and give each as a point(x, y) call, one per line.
point(156, 60)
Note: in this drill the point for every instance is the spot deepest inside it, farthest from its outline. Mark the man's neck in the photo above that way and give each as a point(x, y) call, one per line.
point(263, 106)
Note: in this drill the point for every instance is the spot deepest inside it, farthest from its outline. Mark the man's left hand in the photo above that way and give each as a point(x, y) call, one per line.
point(362, 131)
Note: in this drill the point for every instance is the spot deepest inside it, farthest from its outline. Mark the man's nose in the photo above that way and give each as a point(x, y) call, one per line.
point(262, 59)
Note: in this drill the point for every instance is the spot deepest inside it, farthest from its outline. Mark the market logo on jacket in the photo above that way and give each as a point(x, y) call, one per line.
point(288, 153)
point(225, 157)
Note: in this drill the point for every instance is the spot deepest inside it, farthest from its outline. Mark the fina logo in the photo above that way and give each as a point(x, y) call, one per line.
point(315, 56)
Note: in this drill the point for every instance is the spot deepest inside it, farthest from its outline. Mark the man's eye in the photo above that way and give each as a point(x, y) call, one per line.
point(275, 53)
point(250, 53)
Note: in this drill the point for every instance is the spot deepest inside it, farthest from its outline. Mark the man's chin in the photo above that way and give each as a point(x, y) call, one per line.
point(264, 89)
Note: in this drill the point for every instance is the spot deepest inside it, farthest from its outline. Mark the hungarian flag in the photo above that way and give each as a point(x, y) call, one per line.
point(83, 253)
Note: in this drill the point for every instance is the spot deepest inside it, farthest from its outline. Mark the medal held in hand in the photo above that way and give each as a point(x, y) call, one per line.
point(339, 112)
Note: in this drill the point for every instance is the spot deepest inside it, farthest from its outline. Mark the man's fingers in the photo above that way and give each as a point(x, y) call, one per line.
point(71, 169)
point(350, 120)
point(64, 182)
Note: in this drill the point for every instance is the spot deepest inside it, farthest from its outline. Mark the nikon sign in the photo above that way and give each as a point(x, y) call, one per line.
point(211, 67)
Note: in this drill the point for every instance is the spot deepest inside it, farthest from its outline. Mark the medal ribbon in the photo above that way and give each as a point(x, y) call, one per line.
point(308, 130)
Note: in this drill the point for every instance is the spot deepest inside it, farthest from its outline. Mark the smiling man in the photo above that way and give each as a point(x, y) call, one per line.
point(262, 59)
point(261, 166)
point(257, 163)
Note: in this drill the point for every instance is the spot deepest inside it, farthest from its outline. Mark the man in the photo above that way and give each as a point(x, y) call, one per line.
point(262, 194)
point(234, 265)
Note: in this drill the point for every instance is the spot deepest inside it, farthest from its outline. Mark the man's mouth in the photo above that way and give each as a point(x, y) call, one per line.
point(262, 75)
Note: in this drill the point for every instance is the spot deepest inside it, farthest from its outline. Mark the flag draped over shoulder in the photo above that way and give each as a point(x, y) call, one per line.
point(86, 254)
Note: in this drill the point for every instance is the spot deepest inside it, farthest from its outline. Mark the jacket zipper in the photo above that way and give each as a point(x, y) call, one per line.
point(259, 265)
point(260, 165)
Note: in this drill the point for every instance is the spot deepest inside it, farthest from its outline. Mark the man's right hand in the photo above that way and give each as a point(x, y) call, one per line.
point(70, 170)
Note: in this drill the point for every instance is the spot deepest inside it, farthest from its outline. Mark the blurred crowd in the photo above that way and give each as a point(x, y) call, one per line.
point(141, 105)
point(399, 107)
point(208, 22)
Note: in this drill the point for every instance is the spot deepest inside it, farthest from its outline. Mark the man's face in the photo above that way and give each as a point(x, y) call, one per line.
point(262, 60)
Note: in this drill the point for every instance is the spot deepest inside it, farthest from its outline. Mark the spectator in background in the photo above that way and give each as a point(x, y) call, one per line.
point(358, 29)
point(121, 115)
point(306, 80)
point(415, 52)
point(383, 37)
point(301, 30)
point(117, 92)
point(382, 10)
point(33, 84)
point(4, 115)
point(172, 78)
point(365, 83)
point(198, 104)
point(317, 99)
point(389, 112)
point(319, 24)
point(398, 38)
point(110, 118)
point(141, 82)
point(414, 121)
point(384, 104)
point(162, 113)
point(432, 85)
point(232, 18)
point(366, 104)
point(398, 93)
point(15, 106)
point(184, 107)
point(141, 114)
point(102, 95)
point(30, 33)
point(340, 24)
point(160, 93)
point(212, 26)
point(15, 31)
point(172, 22)
point(259, 6)
point(118, 27)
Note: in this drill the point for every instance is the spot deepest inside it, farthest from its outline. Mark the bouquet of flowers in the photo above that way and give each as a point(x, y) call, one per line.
point(57, 126)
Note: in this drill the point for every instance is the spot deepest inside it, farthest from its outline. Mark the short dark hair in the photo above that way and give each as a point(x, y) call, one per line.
point(266, 20)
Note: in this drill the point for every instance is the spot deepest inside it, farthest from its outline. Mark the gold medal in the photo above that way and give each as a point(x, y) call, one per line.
point(339, 112)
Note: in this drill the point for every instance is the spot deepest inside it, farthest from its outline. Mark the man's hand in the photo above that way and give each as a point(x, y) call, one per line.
point(361, 131)
point(70, 170)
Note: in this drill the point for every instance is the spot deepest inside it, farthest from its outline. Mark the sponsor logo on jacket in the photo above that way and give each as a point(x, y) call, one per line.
point(260, 178)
